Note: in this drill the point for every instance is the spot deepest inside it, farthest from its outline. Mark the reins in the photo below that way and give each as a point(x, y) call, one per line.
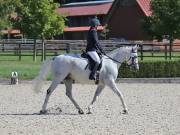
point(113, 59)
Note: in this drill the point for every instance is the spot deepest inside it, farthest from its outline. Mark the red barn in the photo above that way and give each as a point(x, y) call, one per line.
point(79, 14)
point(124, 19)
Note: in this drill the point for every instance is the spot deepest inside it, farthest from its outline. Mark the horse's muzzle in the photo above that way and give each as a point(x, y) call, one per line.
point(135, 67)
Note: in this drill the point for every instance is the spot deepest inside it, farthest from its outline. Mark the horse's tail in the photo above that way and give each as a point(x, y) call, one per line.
point(45, 68)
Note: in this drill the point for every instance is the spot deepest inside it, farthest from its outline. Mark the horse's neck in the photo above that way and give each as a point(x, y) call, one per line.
point(120, 55)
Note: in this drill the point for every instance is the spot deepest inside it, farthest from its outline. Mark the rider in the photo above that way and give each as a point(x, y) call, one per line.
point(93, 46)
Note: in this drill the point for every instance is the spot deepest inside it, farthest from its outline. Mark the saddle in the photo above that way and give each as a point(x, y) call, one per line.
point(91, 62)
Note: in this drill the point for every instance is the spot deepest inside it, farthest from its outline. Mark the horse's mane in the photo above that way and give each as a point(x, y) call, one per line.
point(113, 52)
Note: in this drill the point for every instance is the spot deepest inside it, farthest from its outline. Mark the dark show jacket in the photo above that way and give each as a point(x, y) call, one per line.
point(92, 41)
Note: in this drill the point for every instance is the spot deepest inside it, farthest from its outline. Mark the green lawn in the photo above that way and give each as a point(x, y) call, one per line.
point(158, 56)
point(27, 69)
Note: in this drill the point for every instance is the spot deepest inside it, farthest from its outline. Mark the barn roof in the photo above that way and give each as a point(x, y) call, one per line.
point(80, 29)
point(84, 10)
point(145, 6)
point(10, 31)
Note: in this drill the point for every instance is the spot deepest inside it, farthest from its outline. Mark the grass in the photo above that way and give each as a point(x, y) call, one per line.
point(159, 56)
point(28, 70)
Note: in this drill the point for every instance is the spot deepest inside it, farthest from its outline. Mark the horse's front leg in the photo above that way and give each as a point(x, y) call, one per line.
point(68, 84)
point(97, 93)
point(111, 83)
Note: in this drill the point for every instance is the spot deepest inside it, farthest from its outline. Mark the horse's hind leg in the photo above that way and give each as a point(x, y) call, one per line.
point(68, 84)
point(112, 85)
point(97, 93)
point(52, 87)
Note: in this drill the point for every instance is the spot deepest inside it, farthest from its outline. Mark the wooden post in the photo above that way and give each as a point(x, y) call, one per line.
point(170, 45)
point(34, 51)
point(3, 46)
point(42, 52)
point(152, 52)
point(165, 51)
point(68, 48)
point(141, 52)
point(19, 48)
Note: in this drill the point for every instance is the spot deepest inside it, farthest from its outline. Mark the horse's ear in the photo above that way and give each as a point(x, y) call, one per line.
point(137, 46)
point(134, 48)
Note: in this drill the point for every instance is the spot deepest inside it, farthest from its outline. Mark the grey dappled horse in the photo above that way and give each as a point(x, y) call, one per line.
point(69, 67)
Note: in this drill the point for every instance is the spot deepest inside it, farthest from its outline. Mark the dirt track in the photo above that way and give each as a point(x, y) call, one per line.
point(154, 109)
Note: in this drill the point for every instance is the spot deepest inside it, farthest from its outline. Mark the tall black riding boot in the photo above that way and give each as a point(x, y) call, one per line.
point(93, 72)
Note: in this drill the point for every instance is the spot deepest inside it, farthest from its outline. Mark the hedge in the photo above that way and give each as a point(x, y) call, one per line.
point(154, 69)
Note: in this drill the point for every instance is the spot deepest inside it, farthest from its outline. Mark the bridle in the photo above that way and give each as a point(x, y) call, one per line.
point(131, 60)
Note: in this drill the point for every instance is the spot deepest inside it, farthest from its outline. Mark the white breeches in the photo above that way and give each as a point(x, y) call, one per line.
point(94, 56)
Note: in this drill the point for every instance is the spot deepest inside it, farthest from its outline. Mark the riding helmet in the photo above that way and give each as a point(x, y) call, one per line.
point(94, 22)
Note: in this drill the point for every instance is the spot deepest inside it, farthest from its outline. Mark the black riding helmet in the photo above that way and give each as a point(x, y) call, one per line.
point(94, 22)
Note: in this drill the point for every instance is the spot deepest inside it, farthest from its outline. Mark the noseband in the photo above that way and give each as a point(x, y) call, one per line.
point(132, 57)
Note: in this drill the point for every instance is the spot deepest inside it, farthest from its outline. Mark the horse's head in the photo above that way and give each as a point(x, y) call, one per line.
point(124, 53)
point(133, 59)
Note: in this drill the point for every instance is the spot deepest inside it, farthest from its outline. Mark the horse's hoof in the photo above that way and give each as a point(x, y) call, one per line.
point(89, 112)
point(59, 109)
point(80, 111)
point(125, 112)
point(43, 112)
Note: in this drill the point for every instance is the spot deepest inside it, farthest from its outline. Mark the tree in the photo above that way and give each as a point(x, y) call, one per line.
point(7, 10)
point(165, 20)
point(39, 19)
point(105, 32)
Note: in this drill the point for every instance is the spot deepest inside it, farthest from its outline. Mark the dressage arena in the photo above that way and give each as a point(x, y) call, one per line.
point(154, 109)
